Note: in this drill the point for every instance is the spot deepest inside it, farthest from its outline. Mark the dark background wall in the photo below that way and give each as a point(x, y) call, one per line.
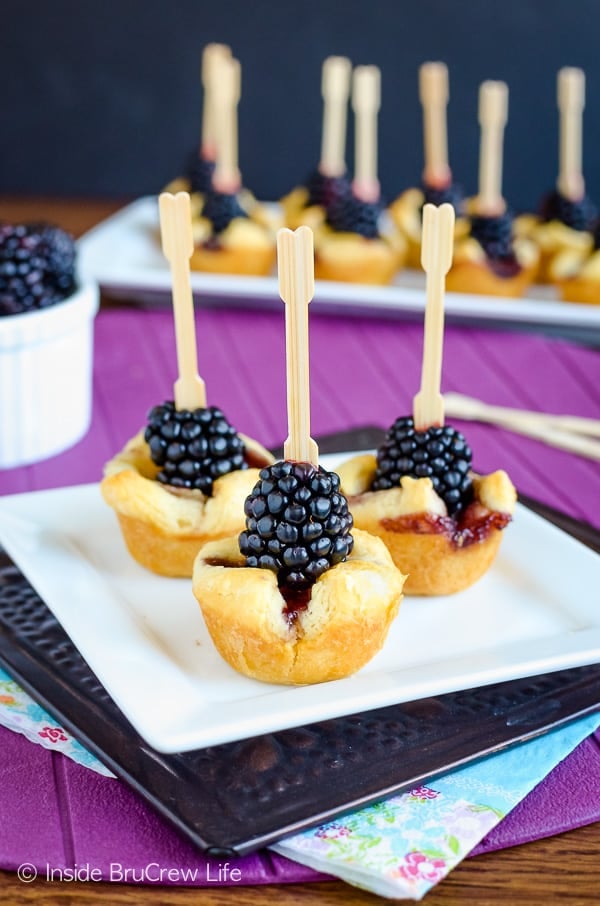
point(103, 98)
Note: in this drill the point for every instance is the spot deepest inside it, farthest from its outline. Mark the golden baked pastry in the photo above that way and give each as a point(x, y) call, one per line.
point(164, 527)
point(227, 241)
point(473, 271)
point(405, 212)
point(352, 258)
point(327, 632)
point(440, 554)
point(577, 276)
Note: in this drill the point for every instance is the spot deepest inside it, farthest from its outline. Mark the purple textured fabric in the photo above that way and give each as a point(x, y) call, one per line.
point(362, 371)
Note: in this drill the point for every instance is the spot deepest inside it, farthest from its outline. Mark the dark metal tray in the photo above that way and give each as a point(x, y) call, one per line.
point(232, 799)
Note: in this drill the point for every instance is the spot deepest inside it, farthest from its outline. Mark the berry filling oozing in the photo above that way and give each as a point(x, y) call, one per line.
point(439, 453)
point(471, 526)
point(193, 448)
point(297, 525)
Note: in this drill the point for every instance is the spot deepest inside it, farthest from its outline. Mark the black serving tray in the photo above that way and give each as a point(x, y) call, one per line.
point(235, 798)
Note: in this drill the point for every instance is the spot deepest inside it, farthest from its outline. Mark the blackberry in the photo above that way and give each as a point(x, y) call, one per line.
point(325, 190)
point(351, 215)
point(200, 173)
point(221, 208)
point(193, 448)
point(450, 194)
point(37, 267)
point(494, 234)
point(297, 523)
point(579, 215)
point(441, 454)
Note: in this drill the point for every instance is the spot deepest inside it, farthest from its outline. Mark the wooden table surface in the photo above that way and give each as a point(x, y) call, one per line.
point(563, 869)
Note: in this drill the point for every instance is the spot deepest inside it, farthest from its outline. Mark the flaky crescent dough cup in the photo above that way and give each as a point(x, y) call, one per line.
point(471, 271)
point(345, 624)
point(244, 247)
point(351, 258)
point(164, 529)
point(439, 555)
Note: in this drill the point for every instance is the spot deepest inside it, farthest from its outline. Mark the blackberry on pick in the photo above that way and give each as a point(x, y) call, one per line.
point(37, 267)
point(349, 214)
point(494, 234)
point(221, 208)
point(325, 190)
point(200, 173)
point(193, 448)
point(580, 215)
point(450, 194)
point(441, 454)
point(297, 523)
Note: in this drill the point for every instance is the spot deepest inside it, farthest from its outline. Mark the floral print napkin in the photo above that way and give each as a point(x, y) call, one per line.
point(399, 848)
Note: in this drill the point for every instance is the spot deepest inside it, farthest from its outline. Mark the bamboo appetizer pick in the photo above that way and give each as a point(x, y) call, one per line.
point(433, 93)
point(227, 90)
point(366, 101)
point(178, 245)
point(436, 258)
point(493, 112)
point(210, 60)
point(548, 431)
point(571, 101)
point(470, 408)
point(295, 264)
point(335, 89)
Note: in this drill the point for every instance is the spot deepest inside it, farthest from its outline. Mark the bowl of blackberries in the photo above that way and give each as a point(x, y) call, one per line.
point(46, 342)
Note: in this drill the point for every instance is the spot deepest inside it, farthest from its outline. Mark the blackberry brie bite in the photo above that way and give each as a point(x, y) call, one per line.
point(298, 597)
point(440, 521)
point(180, 483)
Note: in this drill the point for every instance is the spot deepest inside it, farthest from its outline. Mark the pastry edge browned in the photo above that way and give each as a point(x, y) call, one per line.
point(434, 564)
point(351, 609)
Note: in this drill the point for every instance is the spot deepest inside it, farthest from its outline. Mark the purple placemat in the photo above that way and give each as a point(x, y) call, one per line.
point(362, 371)
point(57, 813)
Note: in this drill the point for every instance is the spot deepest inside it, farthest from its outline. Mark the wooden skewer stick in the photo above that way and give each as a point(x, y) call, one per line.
point(468, 407)
point(493, 112)
point(211, 55)
point(433, 93)
point(548, 431)
point(178, 245)
point(366, 100)
point(436, 258)
point(571, 101)
point(227, 90)
point(295, 263)
point(335, 88)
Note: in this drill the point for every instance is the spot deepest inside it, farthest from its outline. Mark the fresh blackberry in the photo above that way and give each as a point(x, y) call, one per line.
point(441, 454)
point(221, 208)
point(200, 173)
point(297, 523)
point(351, 215)
point(325, 190)
point(450, 194)
point(494, 234)
point(37, 267)
point(579, 215)
point(193, 448)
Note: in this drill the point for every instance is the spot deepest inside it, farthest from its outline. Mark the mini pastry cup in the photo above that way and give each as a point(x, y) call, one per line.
point(345, 624)
point(244, 247)
point(434, 563)
point(163, 528)
point(577, 276)
point(471, 273)
point(351, 258)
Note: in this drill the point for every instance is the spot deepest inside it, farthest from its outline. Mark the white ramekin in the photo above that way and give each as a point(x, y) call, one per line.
point(46, 360)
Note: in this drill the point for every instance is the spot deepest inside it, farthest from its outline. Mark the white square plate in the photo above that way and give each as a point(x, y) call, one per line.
point(535, 611)
point(123, 254)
